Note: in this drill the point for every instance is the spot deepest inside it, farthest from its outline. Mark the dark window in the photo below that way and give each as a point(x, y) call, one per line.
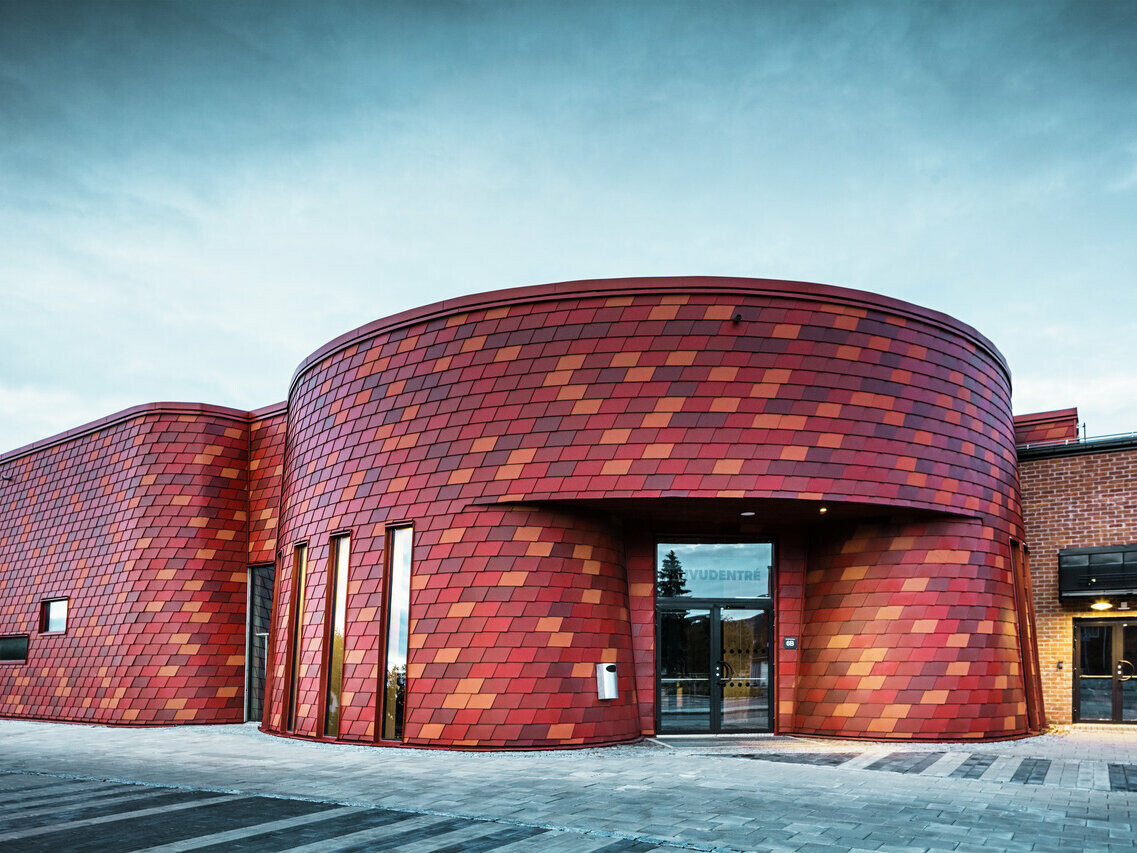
point(53, 616)
point(1088, 572)
point(261, 580)
point(14, 649)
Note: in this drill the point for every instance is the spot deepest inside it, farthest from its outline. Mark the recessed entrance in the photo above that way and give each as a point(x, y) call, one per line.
point(714, 670)
point(1105, 663)
point(713, 658)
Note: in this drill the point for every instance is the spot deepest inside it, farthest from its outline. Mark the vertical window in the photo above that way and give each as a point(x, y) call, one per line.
point(14, 649)
point(299, 576)
point(337, 625)
point(398, 609)
point(53, 616)
point(259, 619)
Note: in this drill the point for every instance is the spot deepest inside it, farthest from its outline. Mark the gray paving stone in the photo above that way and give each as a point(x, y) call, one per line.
point(683, 798)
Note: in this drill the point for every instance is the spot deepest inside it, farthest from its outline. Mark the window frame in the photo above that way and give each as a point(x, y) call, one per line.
point(688, 539)
point(335, 593)
point(399, 725)
point(44, 619)
point(297, 582)
point(27, 650)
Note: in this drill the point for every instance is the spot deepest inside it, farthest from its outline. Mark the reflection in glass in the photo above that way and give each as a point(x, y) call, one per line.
point(398, 612)
point(299, 578)
point(14, 649)
point(55, 615)
point(337, 601)
point(260, 616)
point(745, 673)
point(1095, 677)
point(1096, 652)
point(1128, 671)
point(684, 670)
point(1095, 698)
point(713, 569)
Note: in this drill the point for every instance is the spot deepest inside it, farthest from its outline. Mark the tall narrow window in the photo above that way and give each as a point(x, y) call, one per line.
point(299, 576)
point(398, 609)
point(337, 625)
point(256, 640)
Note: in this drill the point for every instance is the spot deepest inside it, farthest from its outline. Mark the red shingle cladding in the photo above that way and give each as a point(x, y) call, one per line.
point(139, 520)
point(266, 460)
point(453, 416)
point(910, 631)
point(1047, 427)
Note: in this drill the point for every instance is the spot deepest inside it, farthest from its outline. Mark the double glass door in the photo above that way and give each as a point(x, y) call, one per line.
point(714, 668)
point(1105, 686)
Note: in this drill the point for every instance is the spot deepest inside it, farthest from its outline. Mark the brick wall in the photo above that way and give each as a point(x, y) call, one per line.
point(1075, 501)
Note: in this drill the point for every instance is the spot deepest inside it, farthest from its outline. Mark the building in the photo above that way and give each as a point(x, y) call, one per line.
point(546, 517)
point(1080, 505)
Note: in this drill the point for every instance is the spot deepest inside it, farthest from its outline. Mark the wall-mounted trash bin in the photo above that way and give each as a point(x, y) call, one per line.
point(607, 687)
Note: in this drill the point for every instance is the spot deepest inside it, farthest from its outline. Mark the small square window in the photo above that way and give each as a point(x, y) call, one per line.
point(53, 619)
point(14, 649)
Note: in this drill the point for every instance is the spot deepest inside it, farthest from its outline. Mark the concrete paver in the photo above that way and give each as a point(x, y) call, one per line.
point(693, 795)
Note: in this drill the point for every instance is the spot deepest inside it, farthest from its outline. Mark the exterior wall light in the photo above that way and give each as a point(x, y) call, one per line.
point(822, 510)
point(1101, 605)
point(746, 514)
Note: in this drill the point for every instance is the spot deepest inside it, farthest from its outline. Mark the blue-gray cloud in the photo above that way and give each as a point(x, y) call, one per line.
point(193, 195)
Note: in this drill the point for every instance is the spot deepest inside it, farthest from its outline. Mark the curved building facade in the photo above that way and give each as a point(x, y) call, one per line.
point(137, 524)
point(582, 513)
point(541, 444)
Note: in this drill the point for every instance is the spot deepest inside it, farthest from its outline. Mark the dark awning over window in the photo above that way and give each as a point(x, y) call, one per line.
point(1111, 570)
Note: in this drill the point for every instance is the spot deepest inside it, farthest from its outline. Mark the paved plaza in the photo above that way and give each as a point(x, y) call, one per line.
point(73, 787)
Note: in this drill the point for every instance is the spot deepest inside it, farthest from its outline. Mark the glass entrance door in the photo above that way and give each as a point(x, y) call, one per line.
point(1105, 656)
point(714, 669)
point(744, 669)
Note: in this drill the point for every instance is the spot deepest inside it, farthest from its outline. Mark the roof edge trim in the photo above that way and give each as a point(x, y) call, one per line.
point(607, 287)
point(139, 411)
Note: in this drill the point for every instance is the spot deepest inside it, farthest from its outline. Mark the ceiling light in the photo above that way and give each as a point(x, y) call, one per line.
point(747, 514)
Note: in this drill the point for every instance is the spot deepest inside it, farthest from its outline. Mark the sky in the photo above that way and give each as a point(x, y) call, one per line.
point(196, 195)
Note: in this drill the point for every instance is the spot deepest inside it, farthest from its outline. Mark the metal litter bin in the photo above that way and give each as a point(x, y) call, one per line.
point(607, 686)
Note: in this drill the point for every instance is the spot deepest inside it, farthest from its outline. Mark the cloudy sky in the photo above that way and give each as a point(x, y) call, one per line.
point(195, 195)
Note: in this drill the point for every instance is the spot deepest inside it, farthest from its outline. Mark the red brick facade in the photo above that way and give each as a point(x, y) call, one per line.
point(1079, 500)
point(541, 441)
